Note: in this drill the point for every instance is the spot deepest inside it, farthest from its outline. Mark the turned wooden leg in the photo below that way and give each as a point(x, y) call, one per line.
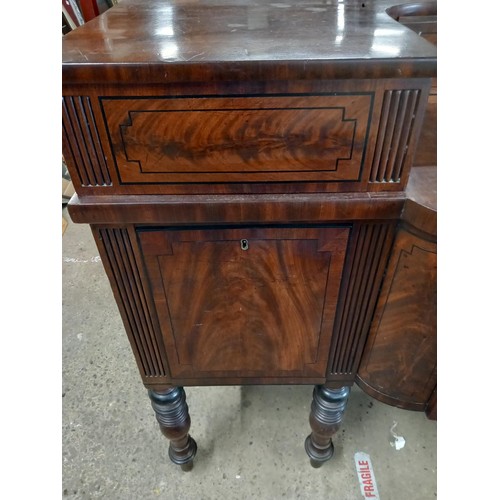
point(327, 410)
point(172, 414)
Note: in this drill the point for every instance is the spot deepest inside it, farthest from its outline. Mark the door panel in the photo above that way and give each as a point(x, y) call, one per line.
point(246, 302)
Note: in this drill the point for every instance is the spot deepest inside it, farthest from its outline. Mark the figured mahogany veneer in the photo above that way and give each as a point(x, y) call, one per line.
point(399, 364)
point(404, 365)
point(322, 137)
point(231, 139)
point(243, 167)
point(262, 300)
point(200, 310)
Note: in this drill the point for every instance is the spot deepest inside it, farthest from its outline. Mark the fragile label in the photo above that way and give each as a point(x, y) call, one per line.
point(366, 477)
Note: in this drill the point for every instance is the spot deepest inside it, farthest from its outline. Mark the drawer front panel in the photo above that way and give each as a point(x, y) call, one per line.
point(239, 139)
point(246, 302)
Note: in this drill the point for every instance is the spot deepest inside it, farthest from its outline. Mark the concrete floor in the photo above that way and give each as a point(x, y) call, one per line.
point(250, 439)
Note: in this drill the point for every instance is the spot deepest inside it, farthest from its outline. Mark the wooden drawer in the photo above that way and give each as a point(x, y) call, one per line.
point(356, 137)
point(245, 139)
point(245, 302)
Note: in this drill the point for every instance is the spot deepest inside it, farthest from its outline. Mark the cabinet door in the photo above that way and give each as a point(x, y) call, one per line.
point(245, 302)
point(399, 363)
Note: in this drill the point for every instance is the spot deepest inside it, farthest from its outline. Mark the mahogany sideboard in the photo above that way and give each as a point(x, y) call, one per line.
point(244, 166)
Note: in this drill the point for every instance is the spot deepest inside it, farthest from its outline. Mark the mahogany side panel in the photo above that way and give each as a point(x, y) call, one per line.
point(130, 290)
point(368, 254)
point(399, 363)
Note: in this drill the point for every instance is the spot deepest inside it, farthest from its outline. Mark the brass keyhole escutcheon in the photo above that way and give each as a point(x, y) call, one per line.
point(244, 244)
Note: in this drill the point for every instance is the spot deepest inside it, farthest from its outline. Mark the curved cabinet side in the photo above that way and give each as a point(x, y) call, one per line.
point(399, 365)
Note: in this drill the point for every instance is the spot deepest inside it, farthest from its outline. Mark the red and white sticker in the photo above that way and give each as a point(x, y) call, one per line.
point(366, 476)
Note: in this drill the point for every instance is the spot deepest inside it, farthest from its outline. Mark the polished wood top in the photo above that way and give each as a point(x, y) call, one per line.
point(189, 40)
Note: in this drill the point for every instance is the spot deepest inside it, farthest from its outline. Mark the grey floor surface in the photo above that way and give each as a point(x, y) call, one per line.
point(250, 439)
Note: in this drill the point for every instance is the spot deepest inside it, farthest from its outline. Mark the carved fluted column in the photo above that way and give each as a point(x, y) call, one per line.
point(327, 411)
point(172, 414)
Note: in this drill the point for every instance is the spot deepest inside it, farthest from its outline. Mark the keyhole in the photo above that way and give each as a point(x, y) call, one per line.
point(244, 244)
